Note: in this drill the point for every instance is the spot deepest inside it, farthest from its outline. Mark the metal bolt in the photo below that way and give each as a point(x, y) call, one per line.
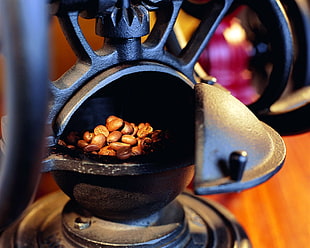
point(237, 163)
point(208, 80)
point(82, 223)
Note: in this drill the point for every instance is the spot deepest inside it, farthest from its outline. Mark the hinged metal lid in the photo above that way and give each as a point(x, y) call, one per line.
point(229, 137)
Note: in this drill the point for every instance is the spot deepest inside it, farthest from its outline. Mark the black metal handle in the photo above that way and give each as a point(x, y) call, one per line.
point(273, 17)
point(24, 45)
point(289, 115)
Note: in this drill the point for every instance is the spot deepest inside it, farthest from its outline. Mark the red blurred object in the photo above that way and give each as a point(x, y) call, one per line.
point(227, 57)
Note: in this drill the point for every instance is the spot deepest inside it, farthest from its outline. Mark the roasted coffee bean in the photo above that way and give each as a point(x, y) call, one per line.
point(117, 145)
point(146, 144)
point(61, 142)
point(115, 124)
point(118, 138)
point(129, 139)
point(101, 129)
point(87, 136)
point(135, 129)
point(91, 148)
point(156, 135)
point(141, 125)
point(82, 143)
point(123, 153)
point(127, 129)
point(144, 130)
point(107, 151)
point(110, 118)
point(98, 140)
point(136, 150)
point(114, 136)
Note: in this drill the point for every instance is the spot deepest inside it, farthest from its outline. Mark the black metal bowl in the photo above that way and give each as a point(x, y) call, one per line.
point(125, 197)
point(141, 185)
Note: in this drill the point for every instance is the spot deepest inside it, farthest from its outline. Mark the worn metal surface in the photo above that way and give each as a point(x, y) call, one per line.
point(190, 222)
point(126, 197)
point(224, 126)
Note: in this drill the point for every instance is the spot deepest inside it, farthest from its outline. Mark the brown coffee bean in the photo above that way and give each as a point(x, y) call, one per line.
point(98, 140)
point(87, 136)
point(129, 139)
point(127, 129)
point(107, 151)
point(115, 124)
point(71, 147)
point(123, 153)
point(146, 144)
point(144, 131)
point(101, 129)
point(110, 118)
point(156, 135)
point(91, 148)
point(117, 145)
point(141, 125)
point(61, 142)
point(82, 143)
point(114, 136)
point(124, 139)
point(135, 129)
point(136, 150)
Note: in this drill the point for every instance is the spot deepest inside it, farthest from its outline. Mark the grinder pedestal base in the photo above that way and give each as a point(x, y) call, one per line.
point(189, 221)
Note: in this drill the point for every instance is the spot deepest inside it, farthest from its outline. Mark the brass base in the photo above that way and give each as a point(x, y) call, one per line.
point(189, 222)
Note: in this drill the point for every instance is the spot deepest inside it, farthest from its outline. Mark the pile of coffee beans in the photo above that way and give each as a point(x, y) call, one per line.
point(117, 137)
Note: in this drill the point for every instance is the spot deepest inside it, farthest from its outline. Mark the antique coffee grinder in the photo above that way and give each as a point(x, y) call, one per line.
point(140, 75)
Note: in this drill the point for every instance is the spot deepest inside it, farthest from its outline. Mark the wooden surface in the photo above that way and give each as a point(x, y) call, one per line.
point(276, 214)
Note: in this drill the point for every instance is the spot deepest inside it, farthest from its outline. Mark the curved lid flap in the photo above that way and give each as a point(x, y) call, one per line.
point(234, 150)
